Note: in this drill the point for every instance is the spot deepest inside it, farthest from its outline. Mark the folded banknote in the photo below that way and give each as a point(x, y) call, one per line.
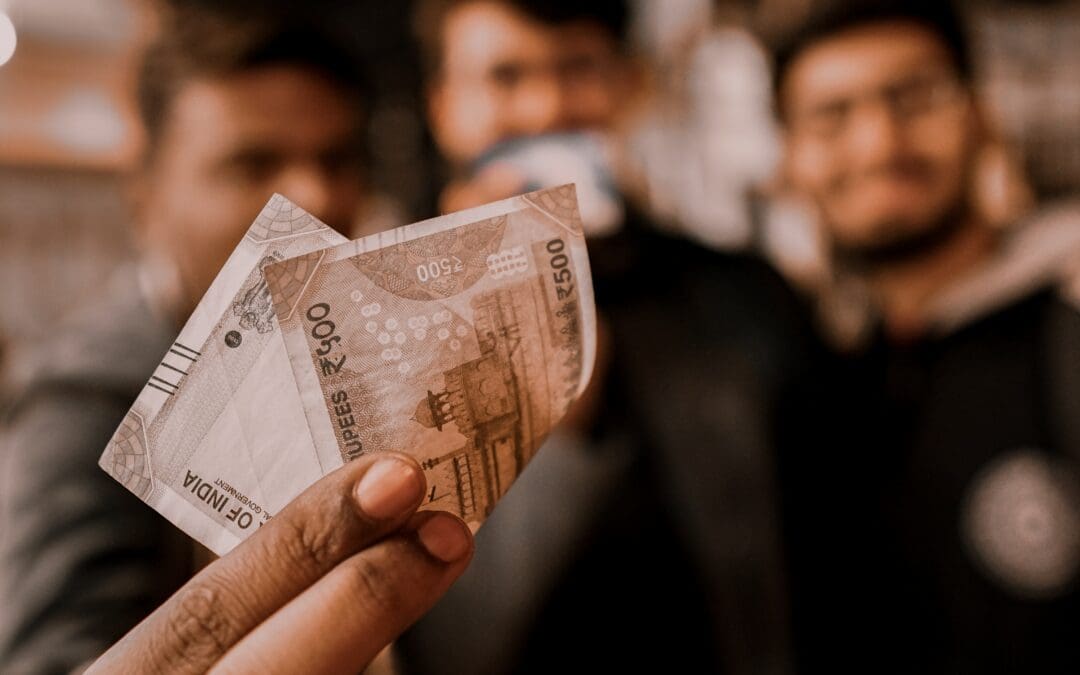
point(460, 340)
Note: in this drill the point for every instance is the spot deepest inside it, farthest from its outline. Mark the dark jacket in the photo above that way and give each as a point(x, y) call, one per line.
point(932, 486)
point(81, 559)
point(652, 545)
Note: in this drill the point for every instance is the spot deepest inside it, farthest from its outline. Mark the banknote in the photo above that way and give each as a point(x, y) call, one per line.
point(461, 340)
point(217, 441)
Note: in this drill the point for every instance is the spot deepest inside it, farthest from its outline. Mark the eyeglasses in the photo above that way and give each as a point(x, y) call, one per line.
point(908, 100)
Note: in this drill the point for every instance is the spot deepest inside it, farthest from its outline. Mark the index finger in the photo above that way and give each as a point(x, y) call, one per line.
point(340, 515)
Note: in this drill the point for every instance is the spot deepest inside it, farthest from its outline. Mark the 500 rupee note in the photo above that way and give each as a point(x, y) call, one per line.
point(461, 340)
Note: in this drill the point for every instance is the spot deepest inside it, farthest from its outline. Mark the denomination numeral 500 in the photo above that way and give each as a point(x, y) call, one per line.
point(323, 329)
point(433, 270)
point(559, 262)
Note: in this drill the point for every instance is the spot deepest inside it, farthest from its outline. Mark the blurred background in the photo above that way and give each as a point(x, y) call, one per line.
point(68, 133)
point(698, 152)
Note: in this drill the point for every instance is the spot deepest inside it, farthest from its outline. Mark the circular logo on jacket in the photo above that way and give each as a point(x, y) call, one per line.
point(1021, 522)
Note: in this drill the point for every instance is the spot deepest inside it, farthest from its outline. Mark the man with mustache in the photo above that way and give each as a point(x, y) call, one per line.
point(930, 495)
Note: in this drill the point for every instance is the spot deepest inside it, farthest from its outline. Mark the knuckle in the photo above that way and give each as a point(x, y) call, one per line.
point(315, 544)
point(201, 625)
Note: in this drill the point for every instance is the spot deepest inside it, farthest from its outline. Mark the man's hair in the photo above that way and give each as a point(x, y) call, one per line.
point(195, 44)
point(430, 16)
point(828, 18)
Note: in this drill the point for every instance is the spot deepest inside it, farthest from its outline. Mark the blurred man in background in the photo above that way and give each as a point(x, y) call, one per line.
point(937, 517)
point(228, 125)
point(501, 72)
point(643, 535)
point(233, 111)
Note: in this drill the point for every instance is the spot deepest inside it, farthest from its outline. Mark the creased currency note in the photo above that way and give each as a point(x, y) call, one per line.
point(217, 441)
point(461, 340)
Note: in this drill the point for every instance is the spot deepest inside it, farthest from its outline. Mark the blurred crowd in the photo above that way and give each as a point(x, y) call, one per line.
point(835, 421)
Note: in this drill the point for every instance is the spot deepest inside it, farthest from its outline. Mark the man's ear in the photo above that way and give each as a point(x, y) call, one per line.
point(1000, 191)
point(137, 191)
point(141, 190)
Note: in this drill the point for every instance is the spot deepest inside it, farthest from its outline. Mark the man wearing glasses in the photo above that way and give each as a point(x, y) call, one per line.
point(937, 515)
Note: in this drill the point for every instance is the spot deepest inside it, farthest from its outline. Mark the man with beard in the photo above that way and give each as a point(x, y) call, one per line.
point(929, 479)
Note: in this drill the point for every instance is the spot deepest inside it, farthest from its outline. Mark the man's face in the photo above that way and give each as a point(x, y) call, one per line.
point(881, 134)
point(228, 144)
point(506, 75)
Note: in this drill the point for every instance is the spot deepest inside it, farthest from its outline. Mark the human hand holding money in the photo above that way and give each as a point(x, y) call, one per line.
point(343, 570)
point(460, 340)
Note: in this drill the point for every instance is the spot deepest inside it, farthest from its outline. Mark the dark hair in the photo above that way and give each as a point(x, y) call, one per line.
point(430, 16)
point(828, 18)
point(202, 43)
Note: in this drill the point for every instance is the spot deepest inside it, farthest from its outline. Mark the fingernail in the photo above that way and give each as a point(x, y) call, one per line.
point(388, 489)
point(444, 537)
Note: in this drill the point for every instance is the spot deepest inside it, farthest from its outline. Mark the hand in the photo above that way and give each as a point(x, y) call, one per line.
point(321, 588)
